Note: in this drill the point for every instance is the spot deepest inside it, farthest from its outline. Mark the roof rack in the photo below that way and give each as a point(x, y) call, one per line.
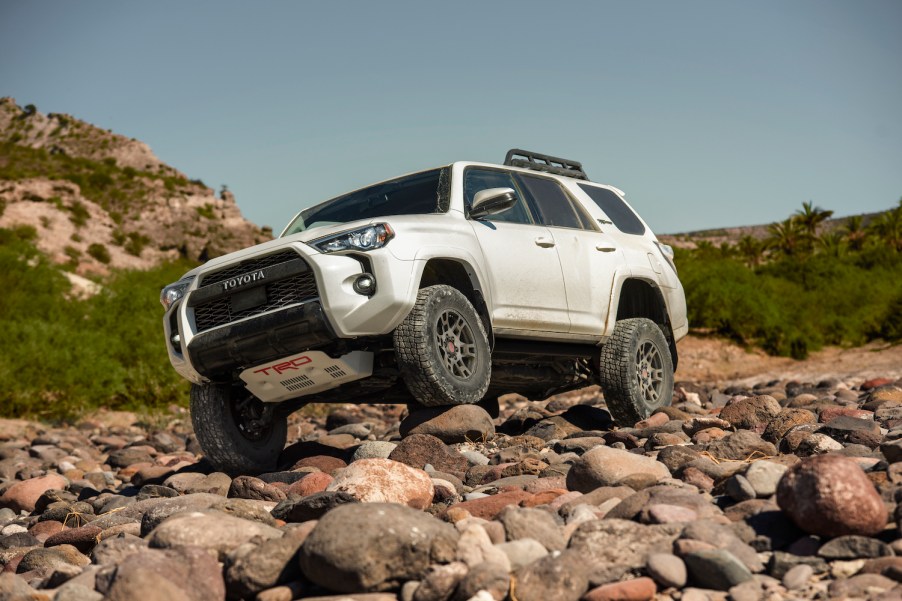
point(543, 162)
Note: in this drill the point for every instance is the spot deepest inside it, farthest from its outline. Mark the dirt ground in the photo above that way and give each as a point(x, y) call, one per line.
point(716, 361)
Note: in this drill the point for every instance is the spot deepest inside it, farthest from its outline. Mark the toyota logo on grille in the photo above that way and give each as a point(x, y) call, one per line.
point(242, 280)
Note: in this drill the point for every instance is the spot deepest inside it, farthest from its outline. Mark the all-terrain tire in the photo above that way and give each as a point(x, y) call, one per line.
point(217, 426)
point(442, 349)
point(636, 371)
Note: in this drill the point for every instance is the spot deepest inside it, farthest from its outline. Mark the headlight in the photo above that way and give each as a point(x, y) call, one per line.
point(365, 238)
point(174, 292)
point(667, 252)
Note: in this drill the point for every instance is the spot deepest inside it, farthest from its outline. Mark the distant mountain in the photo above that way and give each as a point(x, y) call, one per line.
point(98, 199)
point(731, 235)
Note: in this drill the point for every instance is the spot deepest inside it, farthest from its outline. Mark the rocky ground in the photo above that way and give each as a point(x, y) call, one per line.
point(779, 490)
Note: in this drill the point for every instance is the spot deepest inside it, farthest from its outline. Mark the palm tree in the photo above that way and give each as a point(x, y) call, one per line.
point(787, 237)
point(811, 217)
point(751, 249)
point(832, 244)
point(888, 227)
point(855, 234)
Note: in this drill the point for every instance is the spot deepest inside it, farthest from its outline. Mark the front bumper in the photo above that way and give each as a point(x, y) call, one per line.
point(222, 328)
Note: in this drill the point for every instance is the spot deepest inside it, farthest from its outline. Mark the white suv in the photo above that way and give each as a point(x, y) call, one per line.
point(451, 285)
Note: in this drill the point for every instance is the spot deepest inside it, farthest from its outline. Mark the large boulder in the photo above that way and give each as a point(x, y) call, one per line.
point(364, 547)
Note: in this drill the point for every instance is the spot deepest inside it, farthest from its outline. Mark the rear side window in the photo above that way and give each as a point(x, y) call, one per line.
point(552, 204)
point(613, 206)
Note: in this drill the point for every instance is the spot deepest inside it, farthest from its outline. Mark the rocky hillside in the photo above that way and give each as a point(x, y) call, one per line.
point(99, 200)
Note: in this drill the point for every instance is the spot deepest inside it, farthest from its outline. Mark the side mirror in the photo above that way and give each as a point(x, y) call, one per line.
point(492, 201)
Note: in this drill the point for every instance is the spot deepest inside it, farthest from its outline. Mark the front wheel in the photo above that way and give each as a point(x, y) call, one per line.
point(636, 371)
point(238, 433)
point(442, 349)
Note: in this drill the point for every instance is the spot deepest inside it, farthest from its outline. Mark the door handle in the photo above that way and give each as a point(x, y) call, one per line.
point(544, 242)
point(606, 249)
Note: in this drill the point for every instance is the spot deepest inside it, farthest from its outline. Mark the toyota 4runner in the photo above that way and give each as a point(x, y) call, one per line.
point(451, 286)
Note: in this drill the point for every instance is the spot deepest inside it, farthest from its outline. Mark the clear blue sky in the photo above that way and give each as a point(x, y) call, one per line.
point(707, 113)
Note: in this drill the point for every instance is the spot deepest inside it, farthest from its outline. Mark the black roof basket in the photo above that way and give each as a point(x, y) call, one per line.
point(543, 162)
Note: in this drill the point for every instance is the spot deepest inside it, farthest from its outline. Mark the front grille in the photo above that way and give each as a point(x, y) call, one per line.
point(248, 266)
point(297, 285)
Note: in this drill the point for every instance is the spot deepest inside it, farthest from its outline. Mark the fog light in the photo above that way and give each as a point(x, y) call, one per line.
point(176, 340)
point(365, 284)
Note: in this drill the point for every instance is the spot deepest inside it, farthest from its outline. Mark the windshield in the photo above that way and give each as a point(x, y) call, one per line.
point(418, 194)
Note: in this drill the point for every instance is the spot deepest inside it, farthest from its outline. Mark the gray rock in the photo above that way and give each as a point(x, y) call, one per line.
point(311, 507)
point(374, 546)
point(440, 582)
point(533, 523)
point(374, 449)
point(854, 547)
point(668, 570)
point(490, 578)
point(604, 466)
point(14, 588)
point(45, 561)
point(457, 423)
point(781, 563)
point(271, 563)
point(562, 578)
point(739, 488)
point(523, 551)
point(797, 577)
point(183, 574)
point(211, 530)
point(764, 476)
point(724, 537)
point(716, 569)
point(358, 430)
point(622, 542)
point(475, 457)
point(113, 550)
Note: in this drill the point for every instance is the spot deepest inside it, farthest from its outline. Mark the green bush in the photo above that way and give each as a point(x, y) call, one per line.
point(99, 252)
point(62, 356)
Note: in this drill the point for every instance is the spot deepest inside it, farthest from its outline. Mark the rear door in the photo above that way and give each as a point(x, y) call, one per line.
point(526, 282)
point(589, 257)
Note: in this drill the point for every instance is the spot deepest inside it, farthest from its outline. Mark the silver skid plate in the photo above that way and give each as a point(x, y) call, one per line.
point(306, 373)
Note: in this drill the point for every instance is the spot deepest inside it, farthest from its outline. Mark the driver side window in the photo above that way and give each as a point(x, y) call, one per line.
point(476, 179)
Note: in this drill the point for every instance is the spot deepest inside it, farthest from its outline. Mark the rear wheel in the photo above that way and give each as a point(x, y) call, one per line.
point(636, 371)
point(238, 433)
point(442, 349)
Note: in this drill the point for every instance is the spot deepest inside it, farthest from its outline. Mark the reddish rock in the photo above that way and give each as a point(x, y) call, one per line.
point(698, 479)
point(23, 495)
point(44, 530)
point(708, 435)
point(323, 463)
point(417, 450)
point(380, 480)
point(786, 420)
point(751, 413)
point(830, 495)
point(83, 538)
point(489, 507)
point(248, 487)
point(828, 413)
point(544, 498)
point(315, 482)
point(875, 383)
point(149, 474)
point(658, 419)
point(638, 589)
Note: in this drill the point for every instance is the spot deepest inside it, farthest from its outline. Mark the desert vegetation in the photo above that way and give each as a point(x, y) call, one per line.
point(801, 286)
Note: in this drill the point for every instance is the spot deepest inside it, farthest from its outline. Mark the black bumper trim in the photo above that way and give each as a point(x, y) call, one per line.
point(219, 352)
